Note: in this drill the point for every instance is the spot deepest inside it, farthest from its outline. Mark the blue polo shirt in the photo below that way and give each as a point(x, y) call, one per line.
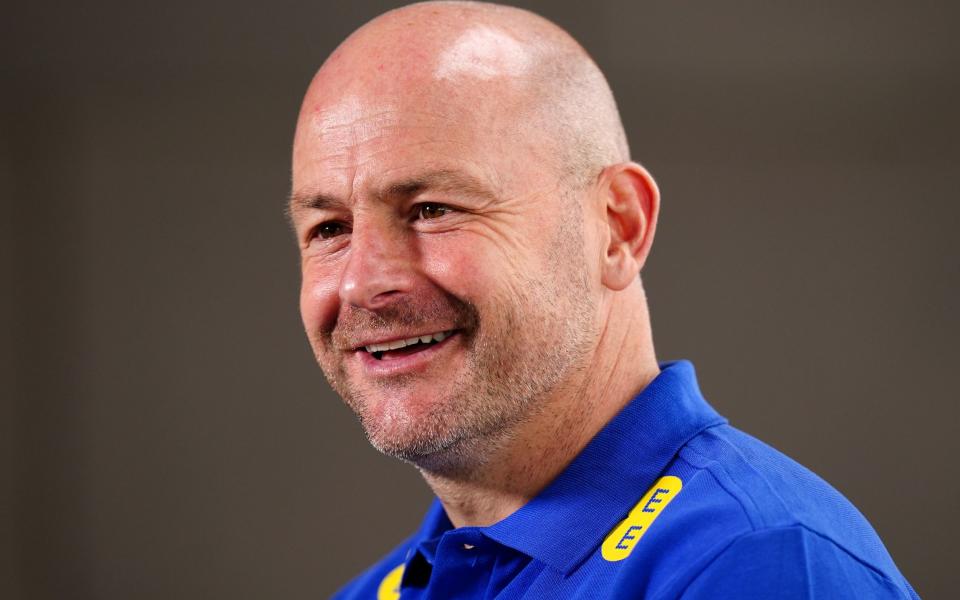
point(666, 501)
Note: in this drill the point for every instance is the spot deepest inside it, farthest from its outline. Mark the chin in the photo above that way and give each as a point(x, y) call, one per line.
point(427, 446)
point(409, 441)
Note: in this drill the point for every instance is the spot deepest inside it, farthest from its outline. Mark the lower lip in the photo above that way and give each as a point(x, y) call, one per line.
point(410, 363)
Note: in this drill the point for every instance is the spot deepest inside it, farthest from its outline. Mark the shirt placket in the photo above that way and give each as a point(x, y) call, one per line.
point(462, 565)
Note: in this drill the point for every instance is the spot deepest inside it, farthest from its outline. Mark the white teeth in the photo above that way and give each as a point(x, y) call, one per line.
point(397, 344)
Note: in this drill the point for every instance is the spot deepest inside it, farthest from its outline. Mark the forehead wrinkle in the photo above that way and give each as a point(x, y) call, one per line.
point(364, 121)
point(364, 150)
point(352, 128)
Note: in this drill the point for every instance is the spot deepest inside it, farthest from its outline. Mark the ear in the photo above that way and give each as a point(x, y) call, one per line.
point(632, 205)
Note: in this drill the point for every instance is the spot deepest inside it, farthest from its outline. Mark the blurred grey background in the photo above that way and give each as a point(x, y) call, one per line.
point(164, 431)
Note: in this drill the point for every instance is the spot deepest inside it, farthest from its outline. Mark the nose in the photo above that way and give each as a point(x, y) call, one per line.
point(380, 264)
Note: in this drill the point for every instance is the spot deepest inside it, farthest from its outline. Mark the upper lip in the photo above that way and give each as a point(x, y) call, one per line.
point(395, 337)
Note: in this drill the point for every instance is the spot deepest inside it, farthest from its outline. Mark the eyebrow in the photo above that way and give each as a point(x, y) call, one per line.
point(443, 180)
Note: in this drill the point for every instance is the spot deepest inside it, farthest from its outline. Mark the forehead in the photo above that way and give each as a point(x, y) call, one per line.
point(359, 142)
point(357, 123)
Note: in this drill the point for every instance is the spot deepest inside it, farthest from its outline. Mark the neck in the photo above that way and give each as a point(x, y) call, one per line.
point(534, 452)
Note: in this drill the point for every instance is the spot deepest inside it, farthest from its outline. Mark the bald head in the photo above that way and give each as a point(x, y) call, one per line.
point(515, 72)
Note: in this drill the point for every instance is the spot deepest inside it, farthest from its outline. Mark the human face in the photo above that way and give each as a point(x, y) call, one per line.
point(437, 224)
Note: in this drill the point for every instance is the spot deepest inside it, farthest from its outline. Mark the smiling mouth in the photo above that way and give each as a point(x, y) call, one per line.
point(405, 347)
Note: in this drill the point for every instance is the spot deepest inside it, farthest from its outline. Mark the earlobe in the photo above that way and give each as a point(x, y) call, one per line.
point(633, 202)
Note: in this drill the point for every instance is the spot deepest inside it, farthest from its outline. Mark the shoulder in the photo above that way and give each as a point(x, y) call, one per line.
point(748, 516)
point(790, 562)
point(774, 491)
point(381, 580)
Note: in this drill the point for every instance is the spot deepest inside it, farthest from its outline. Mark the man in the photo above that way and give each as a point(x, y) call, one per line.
point(472, 231)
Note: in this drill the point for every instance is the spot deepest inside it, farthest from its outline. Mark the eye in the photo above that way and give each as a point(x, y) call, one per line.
point(329, 229)
point(431, 210)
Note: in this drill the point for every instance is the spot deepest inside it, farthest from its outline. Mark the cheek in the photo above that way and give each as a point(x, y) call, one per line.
point(478, 267)
point(460, 266)
point(319, 298)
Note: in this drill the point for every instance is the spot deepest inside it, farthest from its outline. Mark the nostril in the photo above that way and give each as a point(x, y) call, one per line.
point(384, 298)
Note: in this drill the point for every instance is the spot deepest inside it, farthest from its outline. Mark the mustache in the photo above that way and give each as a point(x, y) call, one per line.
point(409, 313)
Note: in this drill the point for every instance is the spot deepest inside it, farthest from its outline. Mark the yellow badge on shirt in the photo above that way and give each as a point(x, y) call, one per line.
point(390, 586)
point(620, 542)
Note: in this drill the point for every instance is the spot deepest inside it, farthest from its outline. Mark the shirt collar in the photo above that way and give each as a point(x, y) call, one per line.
point(422, 553)
point(566, 521)
point(435, 523)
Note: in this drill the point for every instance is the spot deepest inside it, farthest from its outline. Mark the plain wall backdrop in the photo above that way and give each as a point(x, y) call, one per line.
point(165, 432)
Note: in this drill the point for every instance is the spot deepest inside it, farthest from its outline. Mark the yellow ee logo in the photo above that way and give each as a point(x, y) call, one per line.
point(390, 586)
point(620, 542)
